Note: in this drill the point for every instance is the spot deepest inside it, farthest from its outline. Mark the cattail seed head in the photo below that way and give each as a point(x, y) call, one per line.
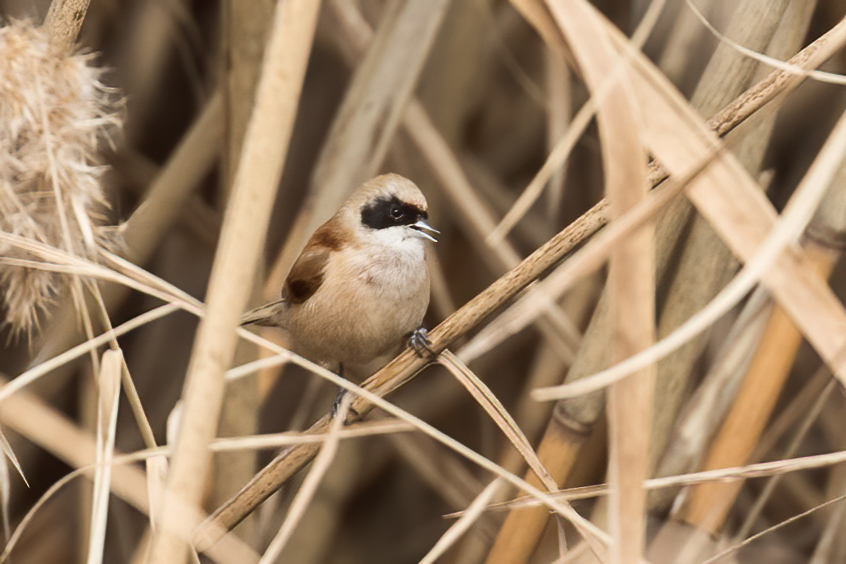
point(54, 112)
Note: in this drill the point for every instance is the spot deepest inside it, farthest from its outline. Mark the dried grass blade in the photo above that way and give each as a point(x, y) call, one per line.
point(489, 402)
point(9, 453)
point(227, 516)
point(46, 367)
point(735, 473)
point(563, 147)
point(795, 218)
point(30, 515)
point(777, 83)
point(309, 487)
point(276, 440)
point(820, 76)
point(719, 556)
point(107, 411)
point(468, 517)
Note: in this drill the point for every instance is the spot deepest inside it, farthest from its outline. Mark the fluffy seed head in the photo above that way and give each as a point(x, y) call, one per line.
point(54, 113)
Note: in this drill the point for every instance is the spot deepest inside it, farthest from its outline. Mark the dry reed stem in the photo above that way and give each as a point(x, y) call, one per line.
point(109, 392)
point(728, 475)
point(246, 25)
point(709, 504)
point(245, 29)
point(630, 279)
point(301, 500)
point(245, 224)
point(64, 20)
point(776, 84)
point(789, 452)
point(760, 94)
point(742, 216)
point(498, 414)
point(43, 425)
point(558, 85)
point(467, 519)
point(395, 374)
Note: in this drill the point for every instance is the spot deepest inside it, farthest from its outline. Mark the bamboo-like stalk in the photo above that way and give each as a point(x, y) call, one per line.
point(293, 459)
point(709, 504)
point(630, 284)
point(482, 142)
point(783, 269)
point(246, 26)
point(242, 236)
point(586, 414)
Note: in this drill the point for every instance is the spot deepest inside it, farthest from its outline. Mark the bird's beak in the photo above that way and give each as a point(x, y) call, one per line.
point(425, 230)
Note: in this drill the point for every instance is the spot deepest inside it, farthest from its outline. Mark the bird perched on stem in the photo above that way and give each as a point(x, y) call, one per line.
point(360, 287)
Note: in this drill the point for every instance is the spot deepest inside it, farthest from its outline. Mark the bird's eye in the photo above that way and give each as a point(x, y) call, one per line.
point(396, 212)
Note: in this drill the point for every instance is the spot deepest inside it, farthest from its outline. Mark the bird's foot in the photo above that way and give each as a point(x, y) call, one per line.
point(419, 342)
point(336, 405)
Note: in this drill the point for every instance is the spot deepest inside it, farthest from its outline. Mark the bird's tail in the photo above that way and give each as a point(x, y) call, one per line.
point(267, 315)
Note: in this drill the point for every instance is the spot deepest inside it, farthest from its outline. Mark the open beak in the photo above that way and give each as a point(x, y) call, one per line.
point(425, 230)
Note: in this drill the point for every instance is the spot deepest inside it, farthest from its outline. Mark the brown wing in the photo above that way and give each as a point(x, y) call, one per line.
point(307, 274)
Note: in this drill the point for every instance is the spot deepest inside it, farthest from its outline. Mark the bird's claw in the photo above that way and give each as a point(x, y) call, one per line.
point(419, 342)
point(336, 405)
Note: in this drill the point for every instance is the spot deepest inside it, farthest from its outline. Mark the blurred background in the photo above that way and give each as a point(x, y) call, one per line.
point(497, 101)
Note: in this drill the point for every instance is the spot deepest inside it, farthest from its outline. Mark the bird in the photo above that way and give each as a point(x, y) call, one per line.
point(360, 287)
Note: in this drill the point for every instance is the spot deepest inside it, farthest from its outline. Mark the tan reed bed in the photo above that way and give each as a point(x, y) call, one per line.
point(637, 295)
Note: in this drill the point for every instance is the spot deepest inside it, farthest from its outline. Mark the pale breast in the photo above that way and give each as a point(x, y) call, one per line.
point(365, 307)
